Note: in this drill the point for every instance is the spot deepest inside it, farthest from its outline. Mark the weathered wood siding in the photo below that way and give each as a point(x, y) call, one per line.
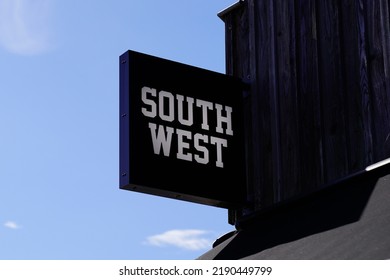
point(319, 96)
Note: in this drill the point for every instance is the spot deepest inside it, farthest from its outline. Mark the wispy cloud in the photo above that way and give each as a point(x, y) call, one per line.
point(24, 26)
point(189, 239)
point(12, 225)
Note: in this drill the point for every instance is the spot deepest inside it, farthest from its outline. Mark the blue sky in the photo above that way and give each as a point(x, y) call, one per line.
point(59, 150)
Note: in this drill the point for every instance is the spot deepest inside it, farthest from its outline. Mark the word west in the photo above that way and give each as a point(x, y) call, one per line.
point(169, 108)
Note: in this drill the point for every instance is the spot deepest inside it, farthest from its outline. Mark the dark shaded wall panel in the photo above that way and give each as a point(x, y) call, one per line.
point(318, 102)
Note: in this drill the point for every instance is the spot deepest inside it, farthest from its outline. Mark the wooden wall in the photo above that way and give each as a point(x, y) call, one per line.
point(318, 107)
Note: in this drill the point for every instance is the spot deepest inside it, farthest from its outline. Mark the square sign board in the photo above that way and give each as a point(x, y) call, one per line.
point(181, 131)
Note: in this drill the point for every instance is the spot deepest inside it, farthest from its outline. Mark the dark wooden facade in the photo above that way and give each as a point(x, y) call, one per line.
point(318, 104)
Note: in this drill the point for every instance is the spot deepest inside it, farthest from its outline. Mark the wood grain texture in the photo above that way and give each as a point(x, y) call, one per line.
point(319, 98)
point(377, 20)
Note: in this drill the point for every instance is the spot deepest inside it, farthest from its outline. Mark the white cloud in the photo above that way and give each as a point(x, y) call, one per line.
point(12, 225)
point(24, 26)
point(189, 239)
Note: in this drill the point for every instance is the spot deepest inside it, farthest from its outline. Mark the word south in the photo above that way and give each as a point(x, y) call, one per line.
point(205, 118)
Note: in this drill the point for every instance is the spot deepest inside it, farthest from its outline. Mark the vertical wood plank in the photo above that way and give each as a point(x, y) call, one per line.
point(263, 110)
point(364, 84)
point(331, 89)
point(237, 64)
point(356, 92)
point(379, 67)
point(309, 113)
point(286, 79)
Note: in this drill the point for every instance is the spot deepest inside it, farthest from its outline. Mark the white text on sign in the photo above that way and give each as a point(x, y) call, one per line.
point(170, 107)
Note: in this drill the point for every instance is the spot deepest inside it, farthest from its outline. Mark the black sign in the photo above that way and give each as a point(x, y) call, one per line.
point(181, 131)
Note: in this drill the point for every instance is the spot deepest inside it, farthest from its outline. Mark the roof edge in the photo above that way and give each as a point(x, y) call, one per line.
point(232, 7)
point(377, 169)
